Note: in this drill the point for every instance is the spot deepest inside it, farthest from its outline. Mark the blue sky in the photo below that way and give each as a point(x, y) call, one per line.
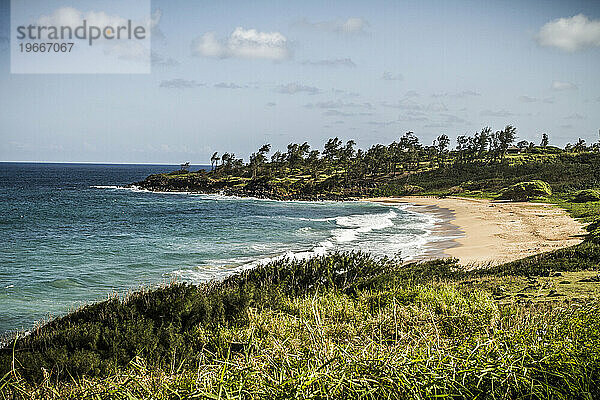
point(307, 71)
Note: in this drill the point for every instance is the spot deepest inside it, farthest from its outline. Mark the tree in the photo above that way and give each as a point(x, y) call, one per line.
point(214, 160)
point(258, 159)
point(409, 143)
point(580, 146)
point(296, 153)
point(545, 140)
point(331, 150)
point(278, 160)
point(314, 163)
point(265, 149)
point(346, 155)
point(229, 163)
point(226, 160)
point(505, 138)
point(523, 144)
point(463, 147)
point(441, 145)
point(482, 140)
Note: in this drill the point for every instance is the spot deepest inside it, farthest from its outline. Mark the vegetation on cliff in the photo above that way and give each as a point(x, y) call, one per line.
point(481, 165)
point(524, 191)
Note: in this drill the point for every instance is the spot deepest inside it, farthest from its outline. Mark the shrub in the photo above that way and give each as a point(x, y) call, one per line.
point(583, 196)
point(412, 189)
point(593, 226)
point(524, 191)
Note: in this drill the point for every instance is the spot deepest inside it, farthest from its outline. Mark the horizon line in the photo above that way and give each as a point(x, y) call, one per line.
point(93, 162)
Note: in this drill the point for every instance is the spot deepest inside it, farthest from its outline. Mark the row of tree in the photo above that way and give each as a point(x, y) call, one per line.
point(402, 156)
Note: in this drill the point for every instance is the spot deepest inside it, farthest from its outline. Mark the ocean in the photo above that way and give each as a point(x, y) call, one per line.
point(71, 234)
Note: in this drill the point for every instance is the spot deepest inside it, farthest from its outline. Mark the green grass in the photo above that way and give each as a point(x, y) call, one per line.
point(341, 326)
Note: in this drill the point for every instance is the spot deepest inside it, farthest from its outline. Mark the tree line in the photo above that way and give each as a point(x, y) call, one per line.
point(402, 156)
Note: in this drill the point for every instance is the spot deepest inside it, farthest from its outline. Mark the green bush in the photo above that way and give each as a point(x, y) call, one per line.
point(412, 189)
point(524, 191)
point(583, 196)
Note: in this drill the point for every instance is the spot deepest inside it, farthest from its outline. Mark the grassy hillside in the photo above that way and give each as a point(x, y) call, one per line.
point(566, 173)
point(343, 325)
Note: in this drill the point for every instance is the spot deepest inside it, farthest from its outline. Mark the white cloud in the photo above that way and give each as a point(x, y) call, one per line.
point(352, 25)
point(124, 50)
point(575, 116)
point(404, 105)
point(459, 95)
point(388, 76)
point(436, 107)
point(243, 43)
point(338, 104)
point(129, 51)
point(337, 113)
point(208, 46)
point(497, 114)
point(231, 85)
point(162, 61)
point(293, 88)
point(344, 93)
point(409, 105)
point(382, 123)
point(337, 62)
point(155, 18)
point(153, 23)
point(528, 99)
point(559, 86)
point(413, 117)
point(570, 34)
point(180, 84)
point(69, 16)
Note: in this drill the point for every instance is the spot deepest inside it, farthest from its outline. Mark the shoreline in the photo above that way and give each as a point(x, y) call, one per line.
point(443, 236)
point(496, 232)
point(478, 232)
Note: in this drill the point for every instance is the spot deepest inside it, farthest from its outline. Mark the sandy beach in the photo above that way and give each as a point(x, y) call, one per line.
point(496, 232)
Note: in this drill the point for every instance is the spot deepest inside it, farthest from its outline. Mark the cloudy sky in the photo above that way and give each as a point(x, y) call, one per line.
point(232, 75)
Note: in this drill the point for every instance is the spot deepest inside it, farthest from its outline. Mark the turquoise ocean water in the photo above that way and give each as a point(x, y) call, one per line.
point(70, 234)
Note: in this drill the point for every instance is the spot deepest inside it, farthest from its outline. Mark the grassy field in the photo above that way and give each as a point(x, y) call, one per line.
point(340, 326)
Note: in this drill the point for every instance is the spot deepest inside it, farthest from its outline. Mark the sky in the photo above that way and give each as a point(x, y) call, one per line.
point(229, 76)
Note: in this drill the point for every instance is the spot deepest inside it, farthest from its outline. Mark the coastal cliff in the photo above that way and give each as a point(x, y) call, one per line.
point(262, 188)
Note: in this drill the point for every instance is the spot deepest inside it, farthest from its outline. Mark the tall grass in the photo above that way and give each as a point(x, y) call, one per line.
point(340, 326)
